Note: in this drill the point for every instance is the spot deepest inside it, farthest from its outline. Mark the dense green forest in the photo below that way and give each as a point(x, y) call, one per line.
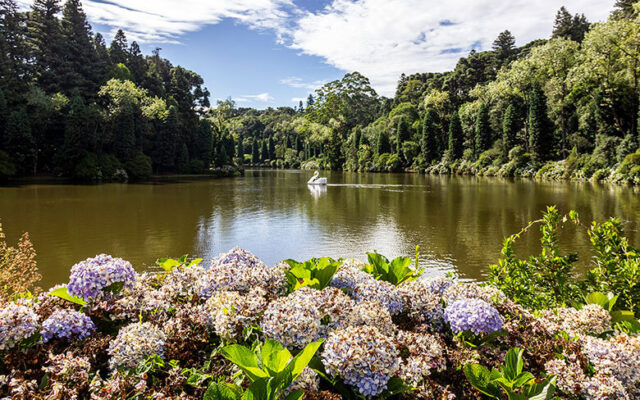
point(72, 106)
point(508, 111)
point(564, 107)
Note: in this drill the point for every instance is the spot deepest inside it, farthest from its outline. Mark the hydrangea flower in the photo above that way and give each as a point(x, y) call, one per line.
point(350, 275)
point(420, 354)
point(371, 313)
point(90, 277)
point(305, 316)
point(473, 315)
point(67, 324)
point(240, 271)
point(134, 343)
point(381, 291)
point(438, 285)
point(619, 356)
point(591, 319)
point(308, 380)
point(231, 312)
point(17, 322)
point(472, 291)
point(422, 303)
point(363, 357)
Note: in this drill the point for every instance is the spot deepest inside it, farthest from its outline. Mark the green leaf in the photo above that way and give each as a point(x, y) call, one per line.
point(522, 379)
point(302, 359)
point(63, 293)
point(513, 363)
point(167, 263)
point(480, 378)
point(245, 359)
point(222, 391)
point(295, 395)
point(274, 356)
point(258, 390)
point(543, 390)
point(622, 315)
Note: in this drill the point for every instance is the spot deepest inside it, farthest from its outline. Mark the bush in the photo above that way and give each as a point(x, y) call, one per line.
point(87, 169)
point(139, 167)
point(381, 162)
point(110, 166)
point(630, 161)
point(627, 146)
point(488, 158)
point(196, 166)
point(394, 163)
point(410, 150)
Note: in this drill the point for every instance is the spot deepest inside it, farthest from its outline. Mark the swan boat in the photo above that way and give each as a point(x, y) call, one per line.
point(315, 180)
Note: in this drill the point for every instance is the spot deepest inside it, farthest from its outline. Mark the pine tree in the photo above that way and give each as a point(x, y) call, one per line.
point(287, 144)
point(356, 138)
point(240, 151)
point(4, 114)
point(264, 152)
point(504, 46)
point(13, 50)
point(298, 144)
point(255, 153)
point(204, 142)
point(429, 142)
point(165, 146)
point(540, 130)
point(183, 160)
point(272, 148)
point(78, 69)
point(19, 143)
point(118, 52)
point(102, 61)
point(136, 63)
point(402, 134)
point(310, 101)
point(623, 9)
point(124, 144)
point(510, 129)
point(76, 143)
point(300, 107)
point(383, 145)
point(568, 27)
point(46, 43)
point(455, 136)
point(483, 131)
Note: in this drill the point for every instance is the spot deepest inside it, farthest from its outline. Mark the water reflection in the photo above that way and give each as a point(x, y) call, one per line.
point(459, 222)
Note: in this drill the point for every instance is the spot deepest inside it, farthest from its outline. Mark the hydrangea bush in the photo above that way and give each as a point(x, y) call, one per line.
point(160, 336)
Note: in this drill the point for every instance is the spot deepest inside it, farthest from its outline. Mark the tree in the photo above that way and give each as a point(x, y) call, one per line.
point(383, 145)
point(78, 72)
point(118, 52)
point(76, 144)
point(13, 50)
point(456, 137)
point(430, 133)
point(46, 43)
point(272, 149)
point(264, 152)
point(540, 129)
point(510, 127)
point(504, 46)
point(402, 134)
point(137, 64)
point(255, 153)
point(19, 143)
point(483, 130)
point(166, 144)
point(310, 101)
point(623, 9)
point(203, 148)
point(568, 27)
point(240, 151)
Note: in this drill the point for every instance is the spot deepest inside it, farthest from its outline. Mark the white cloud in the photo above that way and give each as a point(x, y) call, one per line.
point(298, 99)
point(166, 20)
point(382, 39)
point(299, 83)
point(262, 97)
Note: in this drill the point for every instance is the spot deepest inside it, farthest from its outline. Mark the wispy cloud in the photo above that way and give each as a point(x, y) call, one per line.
point(299, 83)
point(262, 97)
point(298, 99)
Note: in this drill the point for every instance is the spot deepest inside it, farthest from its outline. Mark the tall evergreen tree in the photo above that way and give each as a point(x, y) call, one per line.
point(357, 133)
point(166, 144)
point(298, 144)
point(255, 153)
point(102, 61)
point(310, 101)
point(430, 132)
point(402, 135)
point(264, 151)
point(510, 129)
point(76, 142)
point(240, 151)
point(19, 143)
point(568, 27)
point(272, 148)
point(504, 46)
point(383, 145)
point(46, 43)
point(623, 9)
point(483, 131)
point(183, 159)
point(4, 114)
point(287, 143)
point(203, 148)
point(13, 50)
point(540, 129)
point(77, 71)
point(136, 63)
point(119, 49)
point(455, 136)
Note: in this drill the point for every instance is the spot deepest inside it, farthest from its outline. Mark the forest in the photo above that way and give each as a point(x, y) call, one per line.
point(563, 107)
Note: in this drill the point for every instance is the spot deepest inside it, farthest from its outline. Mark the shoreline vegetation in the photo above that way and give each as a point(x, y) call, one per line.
point(327, 329)
point(564, 107)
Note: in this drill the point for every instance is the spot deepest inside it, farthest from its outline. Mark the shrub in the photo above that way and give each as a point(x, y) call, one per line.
point(627, 146)
point(88, 168)
point(139, 167)
point(394, 163)
point(410, 150)
point(110, 166)
point(18, 269)
point(196, 166)
point(630, 161)
point(381, 162)
point(7, 168)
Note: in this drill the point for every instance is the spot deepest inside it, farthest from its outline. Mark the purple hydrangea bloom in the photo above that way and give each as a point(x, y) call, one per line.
point(67, 324)
point(383, 292)
point(17, 322)
point(473, 315)
point(89, 277)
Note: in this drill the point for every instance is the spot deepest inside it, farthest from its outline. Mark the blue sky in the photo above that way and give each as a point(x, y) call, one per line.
point(267, 53)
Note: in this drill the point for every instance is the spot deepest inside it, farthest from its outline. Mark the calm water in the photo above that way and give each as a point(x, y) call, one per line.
point(458, 222)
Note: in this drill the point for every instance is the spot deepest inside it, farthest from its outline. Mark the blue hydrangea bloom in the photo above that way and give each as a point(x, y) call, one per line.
point(67, 324)
point(473, 315)
point(89, 277)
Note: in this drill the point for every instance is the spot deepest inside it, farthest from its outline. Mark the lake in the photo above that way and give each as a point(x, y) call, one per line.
point(458, 222)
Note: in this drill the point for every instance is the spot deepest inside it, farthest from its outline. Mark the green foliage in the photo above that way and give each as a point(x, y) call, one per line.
point(315, 273)
point(270, 369)
point(7, 168)
point(64, 294)
point(540, 130)
point(510, 129)
point(482, 131)
point(395, 272)
point(544, 281)
point(169, 264)
point(510, 380)
point(456, 138)
point(139, 167)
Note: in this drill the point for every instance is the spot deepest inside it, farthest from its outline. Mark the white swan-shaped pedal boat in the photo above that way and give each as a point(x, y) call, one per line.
point(315, 180)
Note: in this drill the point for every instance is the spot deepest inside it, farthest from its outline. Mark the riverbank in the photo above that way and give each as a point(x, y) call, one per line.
point(354, 330)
